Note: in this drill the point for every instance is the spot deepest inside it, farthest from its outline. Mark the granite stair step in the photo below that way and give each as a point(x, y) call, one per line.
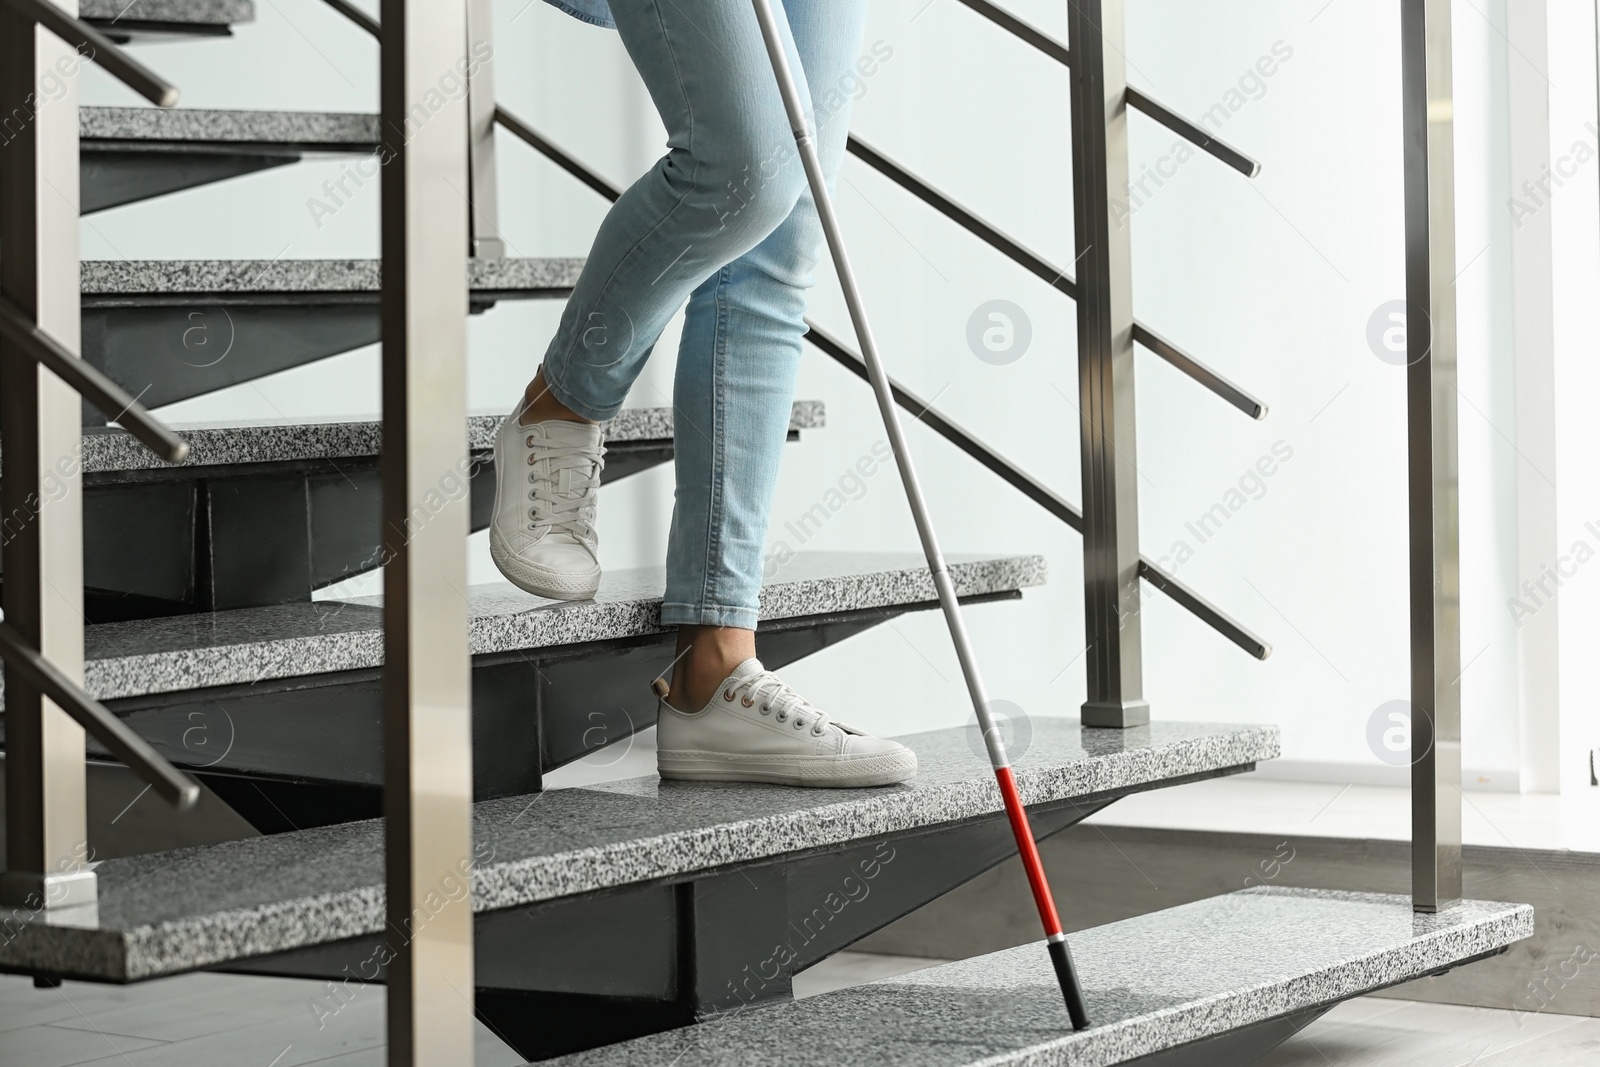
point(169, 329)
point(162, 20)
point(233, 696)
point(268, 512)
point(635, 905)
point(129, 154)
point(127, 282)
point(1217, 981)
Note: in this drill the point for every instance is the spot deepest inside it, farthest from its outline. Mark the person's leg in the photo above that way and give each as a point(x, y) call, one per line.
point(736, 372)
point(707, 71)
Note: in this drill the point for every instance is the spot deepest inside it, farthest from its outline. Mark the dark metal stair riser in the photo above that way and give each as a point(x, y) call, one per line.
point(147, 31)
point(164, 349)
point(112, 174)
point(293, 753)
point(642, 959)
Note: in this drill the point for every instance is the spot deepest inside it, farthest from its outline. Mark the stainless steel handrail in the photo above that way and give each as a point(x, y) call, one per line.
point(96, 46)
point(118, 405)
point(356, 15)
point(1139, 101)
point(1042, 495)
point(1056, 277)
point(166, 780)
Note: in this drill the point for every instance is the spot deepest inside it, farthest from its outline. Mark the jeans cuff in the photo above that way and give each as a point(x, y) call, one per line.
point(559, 390)
point(709, 615)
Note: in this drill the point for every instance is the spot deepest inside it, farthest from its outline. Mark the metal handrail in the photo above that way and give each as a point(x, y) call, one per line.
point(118, 405)
point(96, 46)
point(1139, 101)
point(556, 155)
point(1040, 494)
point(97, 720)
point(1009, 472)
point(356, 15)
point(1017, 28)
point(1054, 276)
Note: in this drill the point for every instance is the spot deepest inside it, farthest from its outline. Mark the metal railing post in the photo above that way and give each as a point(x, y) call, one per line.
point(486, 242)
point(1432, 476)
point(1105, 367)
point(426, 704)
point(47, 846)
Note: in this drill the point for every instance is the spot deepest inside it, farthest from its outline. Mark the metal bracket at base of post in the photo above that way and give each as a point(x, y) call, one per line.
point(1115, 716)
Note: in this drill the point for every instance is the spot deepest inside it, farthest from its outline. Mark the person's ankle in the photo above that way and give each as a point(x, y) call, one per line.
point(707, 656)
point(539, 404)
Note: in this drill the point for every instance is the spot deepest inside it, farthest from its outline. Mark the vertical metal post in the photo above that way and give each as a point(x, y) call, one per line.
point(40, 491)
point(486, 242)
point(1105, 367)
point(1431, 466)
point(427, 731)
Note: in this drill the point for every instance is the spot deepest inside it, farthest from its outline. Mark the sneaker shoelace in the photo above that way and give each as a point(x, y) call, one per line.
point(771, 693)
point(564, 479)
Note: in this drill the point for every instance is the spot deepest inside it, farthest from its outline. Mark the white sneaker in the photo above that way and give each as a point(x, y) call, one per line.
point(542, 535)
point(757, 729)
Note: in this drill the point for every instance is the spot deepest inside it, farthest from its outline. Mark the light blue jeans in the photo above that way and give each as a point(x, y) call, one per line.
point(724, 220)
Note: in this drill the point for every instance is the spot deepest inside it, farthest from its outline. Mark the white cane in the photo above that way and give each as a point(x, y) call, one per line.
point(1055, 939)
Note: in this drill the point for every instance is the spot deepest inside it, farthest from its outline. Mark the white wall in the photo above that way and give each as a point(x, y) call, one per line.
point(1271, 281)
point(1575, 211)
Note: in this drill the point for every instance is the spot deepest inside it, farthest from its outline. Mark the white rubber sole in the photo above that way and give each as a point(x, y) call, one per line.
point(824, 772)
point(540, 581)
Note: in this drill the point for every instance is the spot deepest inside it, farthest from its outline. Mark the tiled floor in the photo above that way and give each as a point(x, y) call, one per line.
point(207, 1020)
point(1402, 1033)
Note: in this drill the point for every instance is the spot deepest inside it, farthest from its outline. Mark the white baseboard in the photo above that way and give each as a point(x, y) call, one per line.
point(1291, 770)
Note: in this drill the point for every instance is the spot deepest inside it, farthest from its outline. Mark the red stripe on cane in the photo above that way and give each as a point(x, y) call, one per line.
point(1029, 851)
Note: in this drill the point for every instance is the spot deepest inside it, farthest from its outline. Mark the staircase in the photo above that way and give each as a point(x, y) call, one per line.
point(632, 922)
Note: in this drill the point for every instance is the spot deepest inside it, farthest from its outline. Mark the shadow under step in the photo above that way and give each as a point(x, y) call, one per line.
point(170, 329)
point(610, 911)
point(1216, 982)
point(165, 20)
point(129, 154)
point(279, 709)
point(268, 512)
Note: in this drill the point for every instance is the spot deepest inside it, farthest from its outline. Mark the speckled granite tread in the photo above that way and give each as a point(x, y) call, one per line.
point(1151, 983)
point(250, 645)
point(277, 441)
point(168, 912)
point(331, 129)
point(136, 277)
point(195, 12)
